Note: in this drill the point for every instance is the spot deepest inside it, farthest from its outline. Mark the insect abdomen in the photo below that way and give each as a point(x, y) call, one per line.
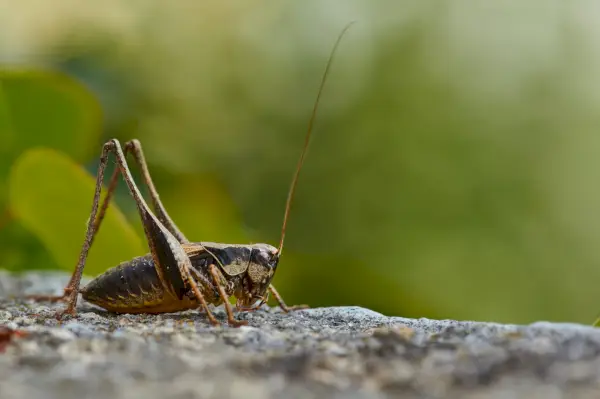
point(132, 287)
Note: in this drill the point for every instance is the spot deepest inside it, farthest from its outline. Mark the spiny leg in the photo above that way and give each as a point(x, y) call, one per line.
point(97, 222)
point(96, 226)
point(232, 322)
point(48, 298)
point(200, 298)
point(134, 146)
point(282, 304)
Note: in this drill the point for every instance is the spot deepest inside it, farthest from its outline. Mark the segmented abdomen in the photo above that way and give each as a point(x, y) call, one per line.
point(132, 287)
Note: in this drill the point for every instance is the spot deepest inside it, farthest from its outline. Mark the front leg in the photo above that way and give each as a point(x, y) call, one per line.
point(232, 322)
point(135, 148)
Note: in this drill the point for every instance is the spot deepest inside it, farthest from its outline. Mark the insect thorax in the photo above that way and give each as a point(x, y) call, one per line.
point(246, 270)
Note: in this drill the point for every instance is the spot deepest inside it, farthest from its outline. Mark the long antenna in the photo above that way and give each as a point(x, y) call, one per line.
point(288, 204)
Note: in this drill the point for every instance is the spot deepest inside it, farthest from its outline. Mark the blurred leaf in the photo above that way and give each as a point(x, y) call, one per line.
point(21, 249)
point(44, 108)
point(52, 196)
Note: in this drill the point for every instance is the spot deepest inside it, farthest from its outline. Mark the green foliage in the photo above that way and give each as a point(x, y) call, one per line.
point(58, 220)
point(39, 108)
point(43, 108)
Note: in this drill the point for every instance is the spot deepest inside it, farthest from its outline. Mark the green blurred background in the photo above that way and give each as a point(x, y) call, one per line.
point(453, 171)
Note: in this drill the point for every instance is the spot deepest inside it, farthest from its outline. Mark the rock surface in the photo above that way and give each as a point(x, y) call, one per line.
point(340, 352)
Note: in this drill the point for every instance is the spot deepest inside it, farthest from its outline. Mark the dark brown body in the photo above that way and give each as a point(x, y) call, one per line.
point(135, 286)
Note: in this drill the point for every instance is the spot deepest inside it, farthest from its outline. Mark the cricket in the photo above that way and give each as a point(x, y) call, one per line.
point(178, 274)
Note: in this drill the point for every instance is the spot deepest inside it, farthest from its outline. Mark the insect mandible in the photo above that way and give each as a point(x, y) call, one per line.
point(178, 274)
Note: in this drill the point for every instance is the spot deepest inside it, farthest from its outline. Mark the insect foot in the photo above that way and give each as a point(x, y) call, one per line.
point(238, 323)
point(282, 305)
point(69, 310)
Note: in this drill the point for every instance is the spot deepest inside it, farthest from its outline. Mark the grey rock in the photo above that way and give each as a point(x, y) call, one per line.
point(338, 352)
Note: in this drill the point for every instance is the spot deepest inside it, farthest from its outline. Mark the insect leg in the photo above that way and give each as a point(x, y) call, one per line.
point(97, 222)
point(232, 322)
point(72, 288)
point(282, 304)
point(200, 298)
point(96, 226)
point(135, 147)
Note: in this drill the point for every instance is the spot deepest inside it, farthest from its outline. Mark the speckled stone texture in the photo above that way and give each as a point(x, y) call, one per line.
point(340, 352)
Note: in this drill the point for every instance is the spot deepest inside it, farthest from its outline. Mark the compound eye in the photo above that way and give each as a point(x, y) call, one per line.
point(262, 258)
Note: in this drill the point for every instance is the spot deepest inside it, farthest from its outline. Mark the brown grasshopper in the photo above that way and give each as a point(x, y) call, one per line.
point(178, 274)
